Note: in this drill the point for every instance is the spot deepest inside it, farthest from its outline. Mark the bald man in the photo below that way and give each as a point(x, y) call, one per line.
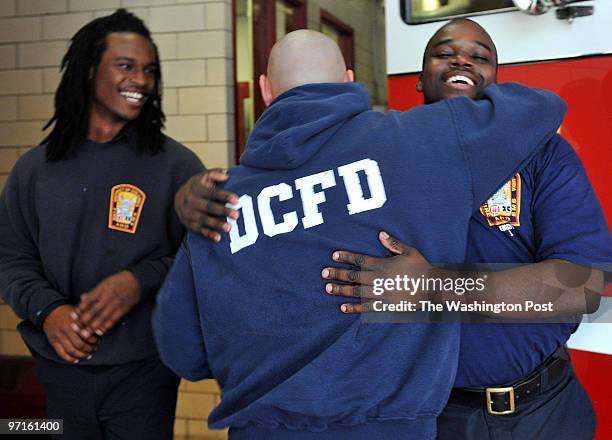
point(321, 170)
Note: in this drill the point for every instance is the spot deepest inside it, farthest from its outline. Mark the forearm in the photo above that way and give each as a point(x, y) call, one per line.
point(29, 295)
point(566, 289)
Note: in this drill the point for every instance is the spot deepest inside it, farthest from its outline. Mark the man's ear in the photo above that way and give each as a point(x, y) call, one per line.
point(419, 84)
point(266, 89)
point(349, 76)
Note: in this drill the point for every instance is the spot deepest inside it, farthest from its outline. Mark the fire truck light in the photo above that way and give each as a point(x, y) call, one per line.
point(430, 5)
point(523, 5)
point(564, 12)
point(535, 7)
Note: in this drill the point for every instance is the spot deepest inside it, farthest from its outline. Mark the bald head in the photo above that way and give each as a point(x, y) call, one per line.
point(303, 57)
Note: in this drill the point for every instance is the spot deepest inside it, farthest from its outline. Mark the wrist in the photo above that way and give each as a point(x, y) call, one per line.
point(41, 317)
point(131, 283)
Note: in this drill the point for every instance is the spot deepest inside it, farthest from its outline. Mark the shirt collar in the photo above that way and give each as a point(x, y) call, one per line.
point(128, 133)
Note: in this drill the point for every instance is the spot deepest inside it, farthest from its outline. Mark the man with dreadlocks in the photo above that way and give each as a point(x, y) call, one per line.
point(87, 234)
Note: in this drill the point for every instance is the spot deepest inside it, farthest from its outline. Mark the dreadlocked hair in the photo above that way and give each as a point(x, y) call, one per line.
point(73, 96)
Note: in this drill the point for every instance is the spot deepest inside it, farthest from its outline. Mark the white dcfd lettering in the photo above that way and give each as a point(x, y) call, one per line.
point(237, 241)
point(357, 203)
point(311, 199)
point(290, 220)
point(310, 202)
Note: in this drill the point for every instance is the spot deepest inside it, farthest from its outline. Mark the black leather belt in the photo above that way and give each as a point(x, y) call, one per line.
point(503, 400)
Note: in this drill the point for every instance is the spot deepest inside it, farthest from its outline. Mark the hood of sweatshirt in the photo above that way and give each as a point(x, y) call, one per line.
point(300, 121)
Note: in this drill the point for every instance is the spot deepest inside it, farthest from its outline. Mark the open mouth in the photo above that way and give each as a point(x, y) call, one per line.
point(459, 80)
point(133, 97)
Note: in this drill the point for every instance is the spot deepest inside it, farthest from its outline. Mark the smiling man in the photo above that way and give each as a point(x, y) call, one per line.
point(459, 60)
point(87, 234)
point(542, 398)
point(513, 380)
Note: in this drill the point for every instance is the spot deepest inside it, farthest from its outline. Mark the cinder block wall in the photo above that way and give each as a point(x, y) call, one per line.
point(195, 44)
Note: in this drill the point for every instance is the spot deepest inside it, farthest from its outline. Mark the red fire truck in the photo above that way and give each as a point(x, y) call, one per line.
point(561, 45)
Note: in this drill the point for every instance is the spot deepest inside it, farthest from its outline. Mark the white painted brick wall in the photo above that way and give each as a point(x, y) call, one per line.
point(220, 127)
point(184, 73)
point(170, 101)
point(8, 320)
point(64, 26)
point(142, 13)
point(166, 45)
point(219, 71)
point(15, 82)
point(8, 108)
point(204, 100)
point(216, 14)
point(20, 133)
point(177, 18)
point(41, 54)
point(51, 79)
point(35, 107)
point(8, 157)
point(7, 8)
point(216, 153)
point(20, 29)
point(187, 128)
point(131, 3)
point(39, 7)
point(229, 2)
point(203, 44)
point(90, 5)
point(8, 56)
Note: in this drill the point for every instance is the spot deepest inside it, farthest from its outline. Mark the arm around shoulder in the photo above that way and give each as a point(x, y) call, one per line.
point(503, 131)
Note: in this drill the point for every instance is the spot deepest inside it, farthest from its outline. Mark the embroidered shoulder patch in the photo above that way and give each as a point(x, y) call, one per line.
point(126, 203)
point(505, 205)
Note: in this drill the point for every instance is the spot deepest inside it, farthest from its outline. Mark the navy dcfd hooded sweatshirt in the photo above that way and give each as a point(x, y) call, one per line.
point(321, 171)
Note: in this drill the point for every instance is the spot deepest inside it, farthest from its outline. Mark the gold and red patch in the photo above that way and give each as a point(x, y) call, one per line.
point(505, 205)
point(125, 207)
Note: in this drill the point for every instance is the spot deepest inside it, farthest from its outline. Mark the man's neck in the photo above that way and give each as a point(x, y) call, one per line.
point(102, 130)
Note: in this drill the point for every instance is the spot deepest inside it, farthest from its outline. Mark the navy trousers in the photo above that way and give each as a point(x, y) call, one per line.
point(561, 412)
point(130, 401)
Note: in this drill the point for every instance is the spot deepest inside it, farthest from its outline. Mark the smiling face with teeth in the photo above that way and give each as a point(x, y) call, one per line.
point(460, 60)
point(123, 81)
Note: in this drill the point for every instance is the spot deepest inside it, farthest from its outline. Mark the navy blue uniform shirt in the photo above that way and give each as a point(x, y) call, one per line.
point(67, 225)
point(557, 217)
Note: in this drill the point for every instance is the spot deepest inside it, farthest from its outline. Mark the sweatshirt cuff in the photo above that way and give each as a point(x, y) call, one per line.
point(41, 315)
